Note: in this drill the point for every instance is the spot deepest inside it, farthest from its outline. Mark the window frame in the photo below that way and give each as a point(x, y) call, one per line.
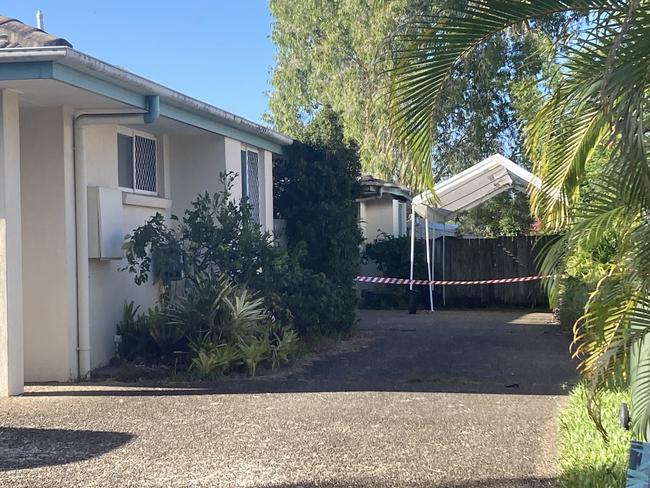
point(246, 184)
point(132, 133)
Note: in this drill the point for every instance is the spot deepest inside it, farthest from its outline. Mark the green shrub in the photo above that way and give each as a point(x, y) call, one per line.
point(393, 258)
point(571, 301)
point(210, 359)
point(283, 345)
point(315, 191)
point(212, 328)
point(586, 459)
point(254, 351)
point(136, 341)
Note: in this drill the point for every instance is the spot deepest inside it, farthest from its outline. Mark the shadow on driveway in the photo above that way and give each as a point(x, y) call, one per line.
point(24, 448)
point(483, 352)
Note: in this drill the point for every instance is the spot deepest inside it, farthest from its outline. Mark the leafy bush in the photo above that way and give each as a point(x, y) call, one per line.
point(585, 458)
point(572, 298)
point(229, 306)
point(283, 346)
point(316, 187)
point(582, 271)
point(393, 258)
point(210, 359)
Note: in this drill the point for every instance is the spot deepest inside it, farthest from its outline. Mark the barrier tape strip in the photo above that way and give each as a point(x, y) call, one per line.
point(404, 281)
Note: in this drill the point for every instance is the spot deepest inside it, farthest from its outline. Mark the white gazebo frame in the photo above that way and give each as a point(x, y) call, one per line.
point(461, 192)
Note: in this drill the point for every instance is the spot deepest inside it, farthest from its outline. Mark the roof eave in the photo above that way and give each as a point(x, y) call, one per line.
point(100, 69)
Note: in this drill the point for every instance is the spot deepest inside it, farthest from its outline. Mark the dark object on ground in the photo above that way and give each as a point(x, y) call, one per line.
point(413, 301)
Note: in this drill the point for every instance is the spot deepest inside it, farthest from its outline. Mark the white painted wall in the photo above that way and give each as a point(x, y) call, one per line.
point(110, 287)
point(195, 165)
point(47, 188)
point(233, 164)
point(187, 165)
point(379, 217)
point(11, 288)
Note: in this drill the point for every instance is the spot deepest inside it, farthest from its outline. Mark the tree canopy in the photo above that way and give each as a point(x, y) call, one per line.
point(340, 54)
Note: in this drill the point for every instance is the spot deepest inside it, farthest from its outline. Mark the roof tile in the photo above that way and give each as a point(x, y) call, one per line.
point(14, 33)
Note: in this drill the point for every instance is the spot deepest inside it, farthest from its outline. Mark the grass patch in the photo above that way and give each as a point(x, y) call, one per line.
point(585, 458)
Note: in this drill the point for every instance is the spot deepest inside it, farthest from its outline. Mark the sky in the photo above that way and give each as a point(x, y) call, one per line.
point(218, 51)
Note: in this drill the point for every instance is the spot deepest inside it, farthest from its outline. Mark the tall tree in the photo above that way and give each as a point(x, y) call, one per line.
point(335, 53)
point(338, 54)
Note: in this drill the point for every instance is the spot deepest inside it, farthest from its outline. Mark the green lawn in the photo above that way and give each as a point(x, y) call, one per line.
point(586, 460)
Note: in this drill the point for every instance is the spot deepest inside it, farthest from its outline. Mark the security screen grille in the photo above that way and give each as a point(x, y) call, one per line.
point(144, 155)
point(253, 186)
point(401, 218)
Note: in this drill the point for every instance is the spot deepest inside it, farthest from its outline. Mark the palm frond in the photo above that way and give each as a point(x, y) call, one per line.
point(430, 51)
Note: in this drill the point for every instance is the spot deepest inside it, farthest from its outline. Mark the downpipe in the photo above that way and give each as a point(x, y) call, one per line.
point(152, 104)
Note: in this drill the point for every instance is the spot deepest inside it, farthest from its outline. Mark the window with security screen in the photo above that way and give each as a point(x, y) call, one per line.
point(251, 181)
point(137, 164)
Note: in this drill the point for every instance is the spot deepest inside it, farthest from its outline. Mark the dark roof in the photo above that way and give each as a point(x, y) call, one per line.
point(370, 188)
point(13, 33)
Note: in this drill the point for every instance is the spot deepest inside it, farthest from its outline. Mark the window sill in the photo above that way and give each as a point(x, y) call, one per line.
point(139, 200)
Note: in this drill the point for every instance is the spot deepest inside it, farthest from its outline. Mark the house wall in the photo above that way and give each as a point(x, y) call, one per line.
point(233, 149)
point(195, 165)
point(110, 288)
point(187, 165)
point(379, 217)
point(11, 297)
point(47, 189)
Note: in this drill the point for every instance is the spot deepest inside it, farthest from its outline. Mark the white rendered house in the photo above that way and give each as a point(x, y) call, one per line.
point(88, 151)
point(382, 208)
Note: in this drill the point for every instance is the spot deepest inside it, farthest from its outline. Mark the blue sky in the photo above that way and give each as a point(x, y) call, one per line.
point(218, 51)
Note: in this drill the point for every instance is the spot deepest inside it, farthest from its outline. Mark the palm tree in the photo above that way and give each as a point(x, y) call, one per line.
point(598, 104)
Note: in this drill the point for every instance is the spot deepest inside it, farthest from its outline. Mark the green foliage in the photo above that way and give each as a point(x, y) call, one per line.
point(571, 301)
point(585, 458)
point(392, 256)
point(507, 214)
point(337, 54)
point(315, 189)
point(318, 305)
point(283, 346)
point(592, 108)
point(334, 53)
point(210, 359)
point(231, 305)
point(253, 352)
point(216, 235)
point(166, 334)
point(136, 340)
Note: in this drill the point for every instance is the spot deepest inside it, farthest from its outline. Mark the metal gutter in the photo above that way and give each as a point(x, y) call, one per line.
point(95, 67)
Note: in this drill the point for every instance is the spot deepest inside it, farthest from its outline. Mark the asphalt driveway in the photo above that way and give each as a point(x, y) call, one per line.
point(453, 399)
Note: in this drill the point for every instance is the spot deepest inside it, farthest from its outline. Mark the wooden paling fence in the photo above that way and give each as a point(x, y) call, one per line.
point(484, 259)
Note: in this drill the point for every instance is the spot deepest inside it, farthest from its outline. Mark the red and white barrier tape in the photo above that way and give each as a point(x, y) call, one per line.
point(403, 281)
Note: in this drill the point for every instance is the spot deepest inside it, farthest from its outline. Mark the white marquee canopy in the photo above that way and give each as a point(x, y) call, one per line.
point(464, 191)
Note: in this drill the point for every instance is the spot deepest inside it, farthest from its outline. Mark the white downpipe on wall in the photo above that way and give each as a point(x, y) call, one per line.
point(81, 226)
point(81, 218)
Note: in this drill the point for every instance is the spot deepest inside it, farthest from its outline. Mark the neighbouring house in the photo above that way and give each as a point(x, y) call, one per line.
point(382, 208)
point(88, 151)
